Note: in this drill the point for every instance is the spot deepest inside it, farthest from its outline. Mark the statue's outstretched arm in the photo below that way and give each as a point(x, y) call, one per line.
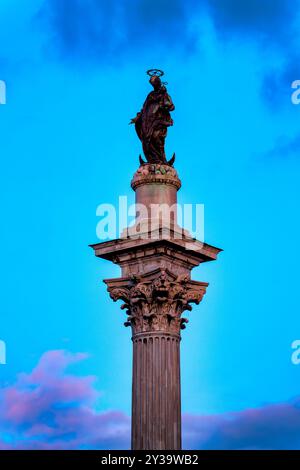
point(133, 120)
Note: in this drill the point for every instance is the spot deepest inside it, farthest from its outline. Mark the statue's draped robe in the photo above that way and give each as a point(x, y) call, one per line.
point(152, 123)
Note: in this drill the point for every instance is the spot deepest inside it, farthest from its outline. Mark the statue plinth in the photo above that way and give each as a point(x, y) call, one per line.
point(156, 257)
point(155, 187)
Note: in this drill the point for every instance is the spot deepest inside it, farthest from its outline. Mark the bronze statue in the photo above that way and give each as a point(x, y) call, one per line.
point(152, 122)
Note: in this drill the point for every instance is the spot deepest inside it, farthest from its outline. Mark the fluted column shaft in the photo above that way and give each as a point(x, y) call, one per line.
point(156, 404)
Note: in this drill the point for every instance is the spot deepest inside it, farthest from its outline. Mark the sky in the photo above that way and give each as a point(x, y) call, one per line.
point(75, 75)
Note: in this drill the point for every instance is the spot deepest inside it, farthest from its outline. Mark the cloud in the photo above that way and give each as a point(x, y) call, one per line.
point(107, 31)
point(270, 427)
point(272, 26)
point(259, 19)
point(285, 147)
point(105, 28)
point(49, 408)
point(115, 31)
point(52, 409)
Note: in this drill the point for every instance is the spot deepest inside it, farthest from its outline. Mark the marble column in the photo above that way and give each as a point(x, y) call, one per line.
point(156, 257)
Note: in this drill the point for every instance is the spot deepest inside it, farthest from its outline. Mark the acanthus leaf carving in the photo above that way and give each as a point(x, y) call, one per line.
point(157, 305)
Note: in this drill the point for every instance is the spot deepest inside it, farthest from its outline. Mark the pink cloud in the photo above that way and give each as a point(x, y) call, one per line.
point(269, 427)
point(50, 408)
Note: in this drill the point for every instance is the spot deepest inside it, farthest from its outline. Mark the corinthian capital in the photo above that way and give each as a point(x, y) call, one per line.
point(156, 301)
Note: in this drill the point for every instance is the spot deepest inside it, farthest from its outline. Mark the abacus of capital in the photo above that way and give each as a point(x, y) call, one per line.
point(156, 257)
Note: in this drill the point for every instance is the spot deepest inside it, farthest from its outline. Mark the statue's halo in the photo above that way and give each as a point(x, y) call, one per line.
point(155, 73)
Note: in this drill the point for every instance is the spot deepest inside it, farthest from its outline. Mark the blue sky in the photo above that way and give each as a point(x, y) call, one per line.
point(75, 75)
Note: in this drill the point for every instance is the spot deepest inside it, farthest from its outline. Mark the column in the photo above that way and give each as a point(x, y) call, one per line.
point(156, 406)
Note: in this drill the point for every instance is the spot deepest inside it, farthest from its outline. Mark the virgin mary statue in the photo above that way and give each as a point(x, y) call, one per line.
point(152, 122)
